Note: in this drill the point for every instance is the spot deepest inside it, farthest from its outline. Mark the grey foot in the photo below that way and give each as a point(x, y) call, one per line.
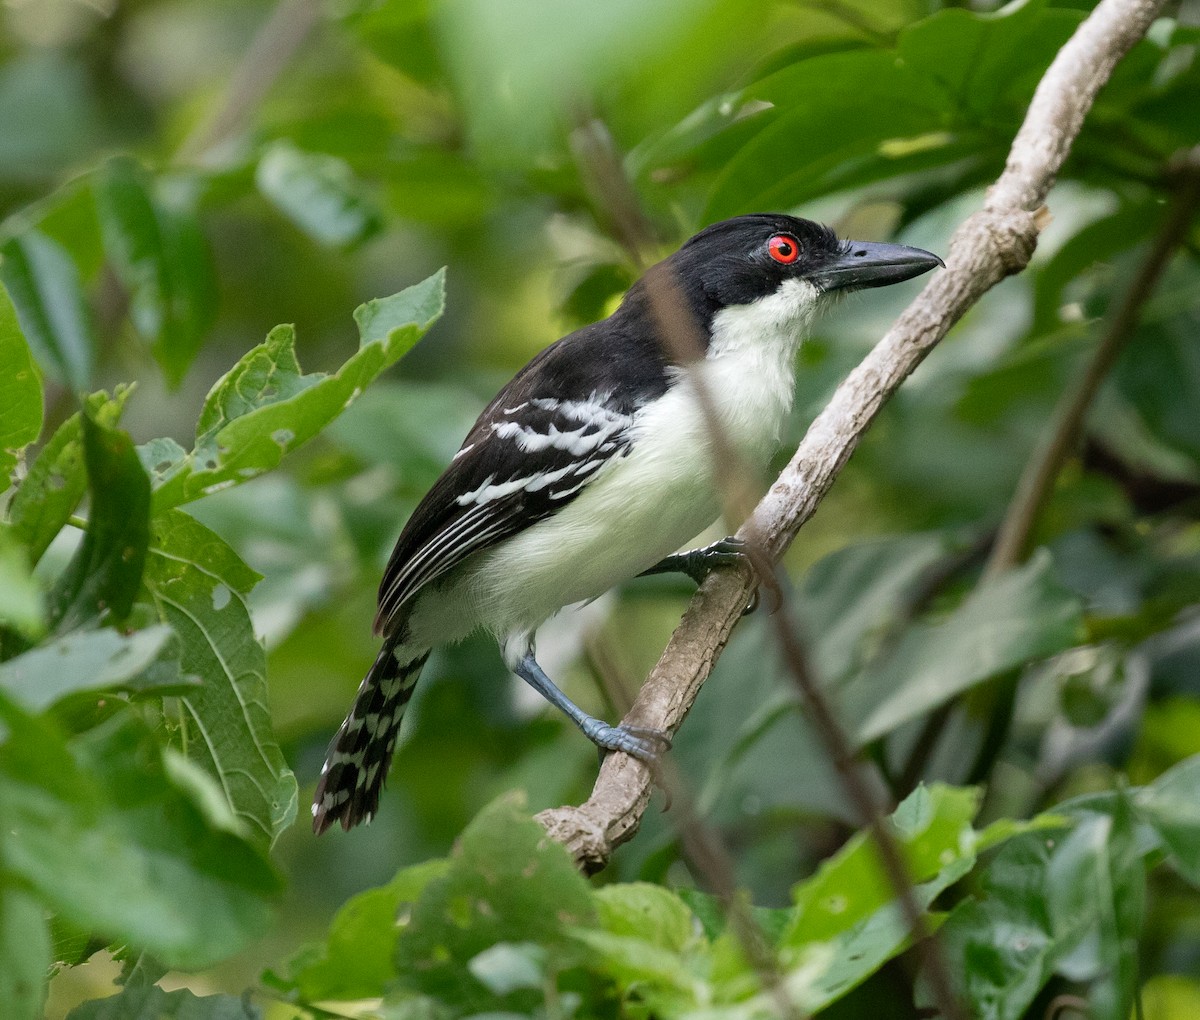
point(641, 742)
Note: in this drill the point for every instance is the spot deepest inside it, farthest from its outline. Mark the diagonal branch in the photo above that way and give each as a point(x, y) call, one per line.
point(993, 243)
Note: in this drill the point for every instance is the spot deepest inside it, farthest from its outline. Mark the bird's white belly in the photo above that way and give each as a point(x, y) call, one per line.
point(638, 509)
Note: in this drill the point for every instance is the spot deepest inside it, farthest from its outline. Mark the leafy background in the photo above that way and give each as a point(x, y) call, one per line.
point(177, 177)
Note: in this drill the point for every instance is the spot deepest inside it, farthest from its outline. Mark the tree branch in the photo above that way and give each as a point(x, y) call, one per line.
point(993, 243)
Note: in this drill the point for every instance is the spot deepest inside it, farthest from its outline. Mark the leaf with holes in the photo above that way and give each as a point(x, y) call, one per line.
point(265, 406)
point(57, 478)
point(197, 584)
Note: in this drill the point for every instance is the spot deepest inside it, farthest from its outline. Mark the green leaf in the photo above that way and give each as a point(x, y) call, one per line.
point(319, 193)
point(829, 110)
point(159, 253)
point(105, 574)
point(22, 607)
point(1022, 616)
point(20, 392)
point(154, 1003)
point(106, 806)
point(357, 961)
point(197, 584)
point(93, 660)
point(57, 479)
point(264, 407)
point(46, 291)
point(25, 957)
point(843, 119)
point(507, 882)
point(1171, 804)
point(933, 826)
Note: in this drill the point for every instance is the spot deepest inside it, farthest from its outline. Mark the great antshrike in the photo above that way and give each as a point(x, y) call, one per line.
point(595, 464)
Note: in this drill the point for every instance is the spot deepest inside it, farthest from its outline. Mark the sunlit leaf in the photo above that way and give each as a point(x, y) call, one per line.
point(22, 606)
point(264, 406)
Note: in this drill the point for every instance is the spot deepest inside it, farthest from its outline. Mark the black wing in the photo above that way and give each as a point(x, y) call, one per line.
point(533, 450)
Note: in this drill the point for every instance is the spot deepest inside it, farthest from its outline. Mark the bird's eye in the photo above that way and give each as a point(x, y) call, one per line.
point(783, 248)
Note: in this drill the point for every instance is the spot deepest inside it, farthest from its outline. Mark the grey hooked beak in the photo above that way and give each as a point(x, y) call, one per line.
point(869, 264)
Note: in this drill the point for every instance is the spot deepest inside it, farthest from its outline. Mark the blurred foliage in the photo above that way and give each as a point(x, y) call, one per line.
point(179, 636)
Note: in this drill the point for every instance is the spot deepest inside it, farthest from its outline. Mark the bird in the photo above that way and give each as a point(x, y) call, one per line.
point(594, 464)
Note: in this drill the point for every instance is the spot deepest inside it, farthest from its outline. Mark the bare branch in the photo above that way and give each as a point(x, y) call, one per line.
point(992, 244)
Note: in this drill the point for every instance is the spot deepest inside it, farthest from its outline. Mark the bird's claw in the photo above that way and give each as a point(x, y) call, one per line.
point(644, 743)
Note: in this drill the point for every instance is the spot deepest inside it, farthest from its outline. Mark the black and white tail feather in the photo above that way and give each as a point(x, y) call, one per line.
point(361, 752)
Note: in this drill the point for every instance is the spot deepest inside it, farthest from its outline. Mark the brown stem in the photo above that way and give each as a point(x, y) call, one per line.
point(272, 48)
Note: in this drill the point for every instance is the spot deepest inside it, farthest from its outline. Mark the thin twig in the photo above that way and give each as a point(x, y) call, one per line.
point(1066, 425)
point(277, 40)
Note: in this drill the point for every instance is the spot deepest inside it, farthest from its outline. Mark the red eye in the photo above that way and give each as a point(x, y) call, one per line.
point(783, 248)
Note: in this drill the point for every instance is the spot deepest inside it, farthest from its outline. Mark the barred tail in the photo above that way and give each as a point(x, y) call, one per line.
point(361, 752)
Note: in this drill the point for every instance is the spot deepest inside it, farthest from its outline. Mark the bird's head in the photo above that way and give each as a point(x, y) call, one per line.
point(782, 268)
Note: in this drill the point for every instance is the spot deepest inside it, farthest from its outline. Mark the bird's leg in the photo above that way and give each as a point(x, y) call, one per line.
point(699, 563)
point(641, 742)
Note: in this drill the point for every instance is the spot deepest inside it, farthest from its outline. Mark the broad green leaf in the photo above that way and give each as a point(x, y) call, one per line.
point(25, 957)
point(47, 293)
point(264, 406)
point(932, 825)
point(853, 595)
point(1172, 805)
point(1095, 884)
point(107, 806)
point(649, 912)
point(1022, 616)
point(155, 1003)
point(358, 959)
point(57, 479)
point(319, 193)
point(20, 392)
point(105, 574)
point(830, 111)
point(22, 606)
point(987, 65)
point(507, 882)
point(160, 255)
point(93, 660)
point(197, 584)
point(843, 119)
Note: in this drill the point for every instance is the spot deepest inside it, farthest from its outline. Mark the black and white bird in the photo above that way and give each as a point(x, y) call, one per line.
point(595, 464)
